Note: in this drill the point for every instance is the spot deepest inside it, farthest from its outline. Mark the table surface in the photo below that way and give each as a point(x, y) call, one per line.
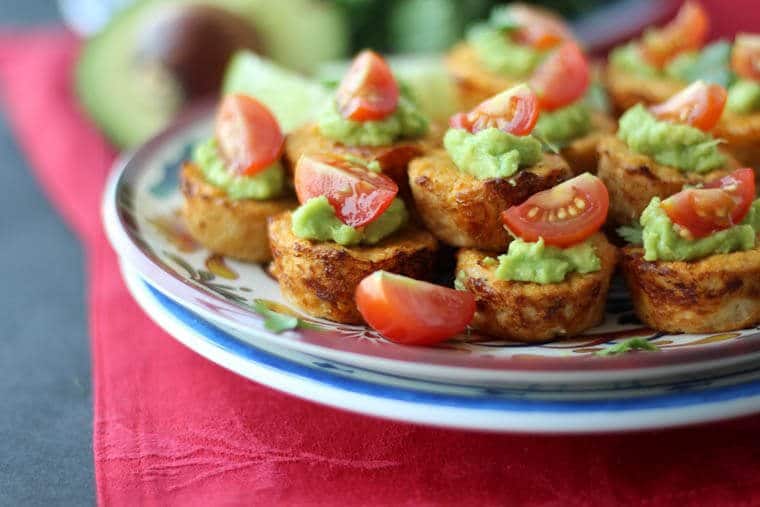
point(46, 418)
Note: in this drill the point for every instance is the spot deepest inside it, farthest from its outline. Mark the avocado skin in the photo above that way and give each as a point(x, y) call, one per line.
point(131, 99)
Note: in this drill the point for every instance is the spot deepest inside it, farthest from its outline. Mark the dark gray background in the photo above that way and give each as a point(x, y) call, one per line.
point(45, 389)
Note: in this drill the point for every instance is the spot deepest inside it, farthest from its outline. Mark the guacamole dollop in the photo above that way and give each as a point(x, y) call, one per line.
point(744, 97)
point(711, 64)
point(681, 146)
point(407, 121)
point(315, 219)
point(268, 184)
point(628, 58)
point(540, 263)
point(491, 153)
point(662, 242)
point(564, 125)
point(499, 54)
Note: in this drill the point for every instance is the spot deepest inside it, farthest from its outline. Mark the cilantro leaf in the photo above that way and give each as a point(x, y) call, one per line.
point(633, 233)
point(274, 321)
point(628, 345)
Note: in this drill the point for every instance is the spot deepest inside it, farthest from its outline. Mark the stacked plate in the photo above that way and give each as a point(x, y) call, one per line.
point(229, 312)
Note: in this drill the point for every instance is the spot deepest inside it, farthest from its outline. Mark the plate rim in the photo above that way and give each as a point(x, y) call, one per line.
point(122, 239)
point(504, 415)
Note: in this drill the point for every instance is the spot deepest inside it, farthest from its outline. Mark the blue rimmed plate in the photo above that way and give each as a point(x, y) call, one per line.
point(569, 408)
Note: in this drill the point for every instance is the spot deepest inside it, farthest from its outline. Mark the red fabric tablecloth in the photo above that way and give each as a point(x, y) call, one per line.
point(171, 428)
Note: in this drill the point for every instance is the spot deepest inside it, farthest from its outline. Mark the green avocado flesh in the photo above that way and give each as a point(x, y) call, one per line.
point(316, 220)
point(268, 184)
point(662, 242)
point(544, 264)
point(491, 153)
point(406, 122)
point(744, 97)
point(131, 102)
point(681, 146)
point(564, 125)
point(712, 64)
point(500, 55)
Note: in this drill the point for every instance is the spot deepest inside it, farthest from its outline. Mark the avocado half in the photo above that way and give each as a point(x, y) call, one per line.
point(131, 100)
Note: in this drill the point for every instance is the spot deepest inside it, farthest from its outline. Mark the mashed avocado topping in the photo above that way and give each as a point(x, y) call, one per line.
point(540, 263)
point(491, 153)
point(499, 54)
point(268, 184)
point(744, 97)
point(564, 125)
point(677, 145)
point(316, 219)
point(711, 64)
point(406, 122)
point(662, 242)
point(628, 58)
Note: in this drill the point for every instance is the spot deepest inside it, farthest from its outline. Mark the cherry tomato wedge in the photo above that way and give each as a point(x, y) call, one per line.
point(745, 57)
point(247, 134)
point(539, 28)
point(718, 205)
point(562, 78)
point(413, 312)
point(514, 111)
point(368, 91)
point(687, 31)
point(699, 105)
point(357, 194)
point(564, 215)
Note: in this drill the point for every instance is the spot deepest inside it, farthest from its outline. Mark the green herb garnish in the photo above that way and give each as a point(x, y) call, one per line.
point(628, 345)
point(274, 321)
point(633, 233)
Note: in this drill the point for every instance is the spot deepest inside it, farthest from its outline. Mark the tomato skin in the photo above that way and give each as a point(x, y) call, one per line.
point(539, 29)
point(699, 105)
point(413, 312)
point(687, 31)
point(358, 195)
point(745, 56)
point(514, 111)
point(564, 215)
point(368, 91)
point(719, 205)
point(247, 134)
point(562, 78)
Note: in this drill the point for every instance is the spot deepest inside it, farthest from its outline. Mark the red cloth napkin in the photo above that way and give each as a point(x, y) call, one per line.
point(174, 429)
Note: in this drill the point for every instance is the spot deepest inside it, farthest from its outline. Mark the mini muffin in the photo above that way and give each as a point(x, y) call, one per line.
point(320, 277)
point(660, 149)
point(232, 227)
point(715, 294)
point(662, 62)
point(582, 154)
point(694, 265)
point(741, 136)
point(739, 126)
point(393, 159)
point(628, 89)
point(235, 181)
point(474, 81)
point(533, 312)
point(390, 130)
point(633, 179)
point(571, 118)
point(464, 211)
point(503, 51)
